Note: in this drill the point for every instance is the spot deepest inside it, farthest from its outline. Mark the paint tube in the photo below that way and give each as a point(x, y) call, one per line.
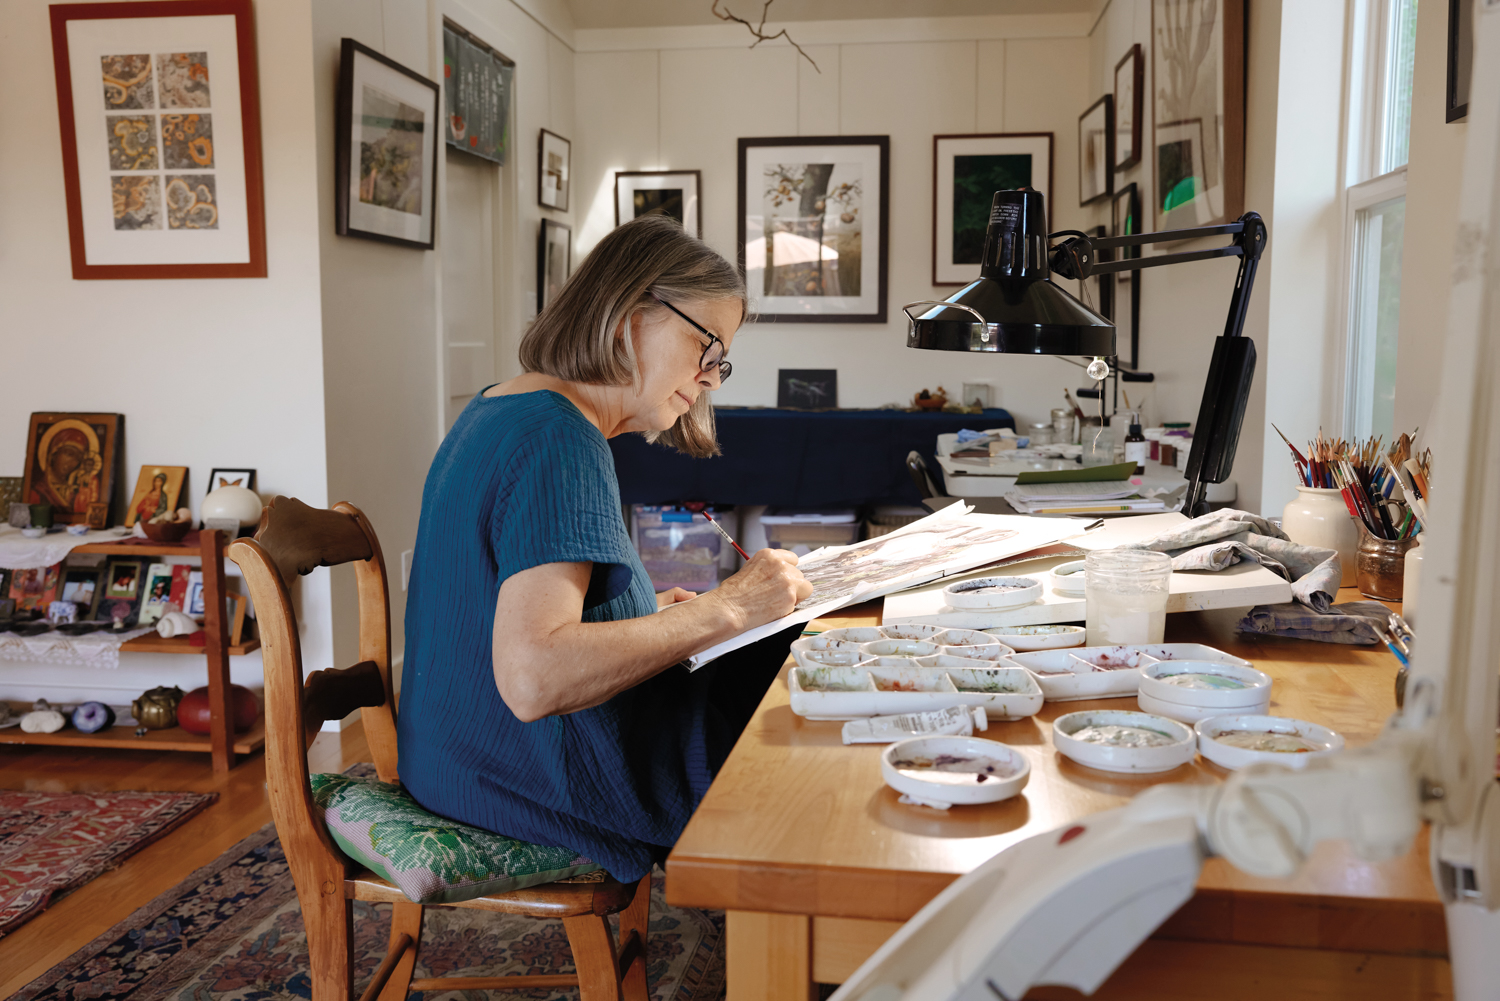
point(959, 721)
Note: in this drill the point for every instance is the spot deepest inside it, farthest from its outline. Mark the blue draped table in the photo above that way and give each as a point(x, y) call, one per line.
point(795, 458)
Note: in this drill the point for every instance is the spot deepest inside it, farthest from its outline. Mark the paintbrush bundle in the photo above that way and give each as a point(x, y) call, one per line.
point(1385, 491)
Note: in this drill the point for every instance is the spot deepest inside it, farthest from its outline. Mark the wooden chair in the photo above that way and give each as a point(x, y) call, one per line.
point(295, 539)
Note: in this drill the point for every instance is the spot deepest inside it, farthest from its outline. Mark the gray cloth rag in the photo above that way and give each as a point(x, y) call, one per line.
point(1354, 622)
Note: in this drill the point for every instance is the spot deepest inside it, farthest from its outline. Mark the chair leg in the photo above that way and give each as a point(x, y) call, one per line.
point(594, 955)
point(328, 919)
point(406, 919)
point(634, 938)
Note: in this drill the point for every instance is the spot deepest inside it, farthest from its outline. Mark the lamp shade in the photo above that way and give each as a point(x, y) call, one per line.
point(1013, 307)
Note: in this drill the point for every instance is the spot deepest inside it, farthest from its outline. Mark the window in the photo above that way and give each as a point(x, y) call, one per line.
point(1375, 211)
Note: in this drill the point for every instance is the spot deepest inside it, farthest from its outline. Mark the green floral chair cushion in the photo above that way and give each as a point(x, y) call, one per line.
point(432, 859)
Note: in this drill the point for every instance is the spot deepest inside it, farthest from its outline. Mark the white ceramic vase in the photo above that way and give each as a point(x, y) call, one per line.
point(1319, 517)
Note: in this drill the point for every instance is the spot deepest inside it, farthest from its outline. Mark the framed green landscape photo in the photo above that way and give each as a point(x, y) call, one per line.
point(967, 170)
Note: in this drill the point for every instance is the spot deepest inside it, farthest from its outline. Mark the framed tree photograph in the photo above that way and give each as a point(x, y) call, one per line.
point(1096, 143)
point(1198, 119)
point(554, 261)
point(672, 193)
point(1130, 81)
point(160, 119)
point(1127, 296)
point(72, 463)
point(385, 153)
point(554, 165)
point(812, 227)
point(967, 170)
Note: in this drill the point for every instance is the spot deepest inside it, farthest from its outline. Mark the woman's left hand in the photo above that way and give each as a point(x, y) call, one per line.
point(673, 596)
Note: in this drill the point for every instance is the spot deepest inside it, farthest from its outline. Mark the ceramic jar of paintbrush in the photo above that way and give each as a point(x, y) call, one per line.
point(1319, 517)
point(1380, 566)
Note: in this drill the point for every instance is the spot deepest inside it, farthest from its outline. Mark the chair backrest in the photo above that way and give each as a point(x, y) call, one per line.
point(296, 539)
point(919, 475)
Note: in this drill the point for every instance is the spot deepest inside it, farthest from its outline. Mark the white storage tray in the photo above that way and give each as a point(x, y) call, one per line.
point(1103, 672)
point(888, 685)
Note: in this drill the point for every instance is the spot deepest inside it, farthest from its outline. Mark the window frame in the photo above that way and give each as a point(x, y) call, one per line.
point(1355, 409)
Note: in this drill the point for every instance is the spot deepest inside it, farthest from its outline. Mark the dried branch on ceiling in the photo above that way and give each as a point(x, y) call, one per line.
point(760, 31)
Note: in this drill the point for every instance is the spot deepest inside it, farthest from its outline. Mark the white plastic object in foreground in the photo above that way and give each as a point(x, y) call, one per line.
point(1065, 907)
point(1027, 638)
point(1231, 757)
point(955, 721)
point(1191, 715)
point(992, 790)
point(1113, 758)
point(883, 689)
point(967, 594)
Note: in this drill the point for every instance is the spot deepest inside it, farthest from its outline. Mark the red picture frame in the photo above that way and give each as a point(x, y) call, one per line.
point(249, 107)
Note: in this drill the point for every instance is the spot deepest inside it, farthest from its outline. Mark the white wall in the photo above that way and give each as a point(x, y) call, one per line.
point(224, 372)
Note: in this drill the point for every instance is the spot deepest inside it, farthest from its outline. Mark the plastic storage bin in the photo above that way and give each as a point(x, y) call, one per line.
point(680, 548)
point(803, 531)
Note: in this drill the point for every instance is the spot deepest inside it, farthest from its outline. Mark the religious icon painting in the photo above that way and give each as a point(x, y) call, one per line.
point(71, 463)
point(156, 490)
point(34, 589)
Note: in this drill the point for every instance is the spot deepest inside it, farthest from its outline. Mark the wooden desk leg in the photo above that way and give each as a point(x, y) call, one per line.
point(769, 957)
point(216, 646)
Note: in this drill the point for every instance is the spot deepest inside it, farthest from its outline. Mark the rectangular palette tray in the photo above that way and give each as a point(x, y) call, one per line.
point(1103, 672)
point(839, 693)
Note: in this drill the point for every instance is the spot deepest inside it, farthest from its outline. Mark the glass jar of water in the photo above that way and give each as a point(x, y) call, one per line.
point(1125, 592)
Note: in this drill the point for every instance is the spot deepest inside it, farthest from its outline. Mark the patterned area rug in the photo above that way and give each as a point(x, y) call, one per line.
point(233, 930)
point(51, 842)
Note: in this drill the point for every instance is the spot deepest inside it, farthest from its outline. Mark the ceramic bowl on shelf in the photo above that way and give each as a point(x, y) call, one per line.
point(166, 531)
point(948, 771)
point(1026, 638)
point(1118, 740)
point(992, 594)
point(1237, 741)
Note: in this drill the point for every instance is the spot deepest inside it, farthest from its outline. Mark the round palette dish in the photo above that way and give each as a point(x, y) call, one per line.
point(1190, 690)
point(1068, 579)
point(1027, 638)
point(1236, 741)
point(992, 594)
point(1117, 740)
point(1192, 714)
point(954, 770)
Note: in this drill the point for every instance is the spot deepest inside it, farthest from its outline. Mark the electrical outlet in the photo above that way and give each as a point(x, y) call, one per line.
point(406, 568)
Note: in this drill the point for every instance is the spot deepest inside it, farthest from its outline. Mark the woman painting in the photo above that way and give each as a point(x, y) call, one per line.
point(542, 697)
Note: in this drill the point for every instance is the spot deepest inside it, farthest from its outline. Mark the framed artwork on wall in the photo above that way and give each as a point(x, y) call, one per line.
point(72, 463)
point(385, 150)
point(967, 170)
point(160, 118)
point(1130, 81)
point(554, 165)
point(1096, 144)
point(672, 193)
point(476, 95)
point(1127, 315)
point(157, 489)
point(1460, 59)
point(1198, 117)
point(554, 261)
point(807, 388)
point(219, 477)
point(812, 227)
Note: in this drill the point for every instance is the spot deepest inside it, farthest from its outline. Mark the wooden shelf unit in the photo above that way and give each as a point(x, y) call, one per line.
point(124, 738)
point(152, 643)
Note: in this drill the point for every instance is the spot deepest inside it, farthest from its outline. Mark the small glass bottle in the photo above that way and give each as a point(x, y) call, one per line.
point(1135, 448)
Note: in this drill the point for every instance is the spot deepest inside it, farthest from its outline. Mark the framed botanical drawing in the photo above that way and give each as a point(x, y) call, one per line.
point(554, 165)
point(160, 117)
point(72, 463)
point(1127, 302)
point(1130, 80)
point(672, 193)
point(813, 225)
point(554, 261)
point(385, 150)
point(967, 170)
point(1096, 143)
point(1198, 120)
point(157, 489)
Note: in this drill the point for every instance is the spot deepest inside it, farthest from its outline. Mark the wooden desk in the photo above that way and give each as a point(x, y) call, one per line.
point(817, 863)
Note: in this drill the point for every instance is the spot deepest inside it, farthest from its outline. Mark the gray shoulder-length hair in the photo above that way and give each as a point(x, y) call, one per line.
point(573, 338)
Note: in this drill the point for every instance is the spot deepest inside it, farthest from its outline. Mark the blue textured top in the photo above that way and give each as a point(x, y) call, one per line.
point(520, 481)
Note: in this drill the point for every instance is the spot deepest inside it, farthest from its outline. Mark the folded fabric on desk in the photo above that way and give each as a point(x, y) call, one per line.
point(1354, 622)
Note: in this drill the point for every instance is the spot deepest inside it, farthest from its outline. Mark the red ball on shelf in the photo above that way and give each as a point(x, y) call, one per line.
point(193, 713)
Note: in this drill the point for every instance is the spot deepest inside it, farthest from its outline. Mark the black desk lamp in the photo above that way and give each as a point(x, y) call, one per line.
point(1014, 308)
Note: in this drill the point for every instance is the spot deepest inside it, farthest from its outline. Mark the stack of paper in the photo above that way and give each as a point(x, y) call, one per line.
point(1106, 497)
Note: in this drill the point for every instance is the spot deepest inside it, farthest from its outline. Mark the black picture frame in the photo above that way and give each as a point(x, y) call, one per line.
point(633, 182)
point(882, 152)
point(1460, 59)
point(350, 53)
point(1134, 65)
point(549, 142)
point(78, 575)
point(1097, 120)
point(1126, 221)
point(955, 211)
point(807, 389)
point(552, 235)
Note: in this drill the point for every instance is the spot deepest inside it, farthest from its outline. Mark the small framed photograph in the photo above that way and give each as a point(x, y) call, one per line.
point(72, 461)
point(1096, 145)
point(967, 170)
point(385, 161)
point(193, 603)
point(813, 226)
point(807, 388)
point(160, 119)
point(1130, 81)
point(7, 608)
point(157, 489)
point(1127, 315)
point(672, 193)
point(554, 261)
point(35, 589)
point(218, 477)
point(123, 579)
point(554, 165)
point(157, 594)
point(234, 616)
point(84, 587)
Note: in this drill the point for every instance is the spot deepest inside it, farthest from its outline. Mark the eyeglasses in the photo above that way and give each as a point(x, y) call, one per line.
point(713, 355)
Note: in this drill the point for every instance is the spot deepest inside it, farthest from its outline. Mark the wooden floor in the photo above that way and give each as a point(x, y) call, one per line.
point(241, 809)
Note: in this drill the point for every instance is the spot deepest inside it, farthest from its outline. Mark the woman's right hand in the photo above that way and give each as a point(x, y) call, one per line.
point(765, 588)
